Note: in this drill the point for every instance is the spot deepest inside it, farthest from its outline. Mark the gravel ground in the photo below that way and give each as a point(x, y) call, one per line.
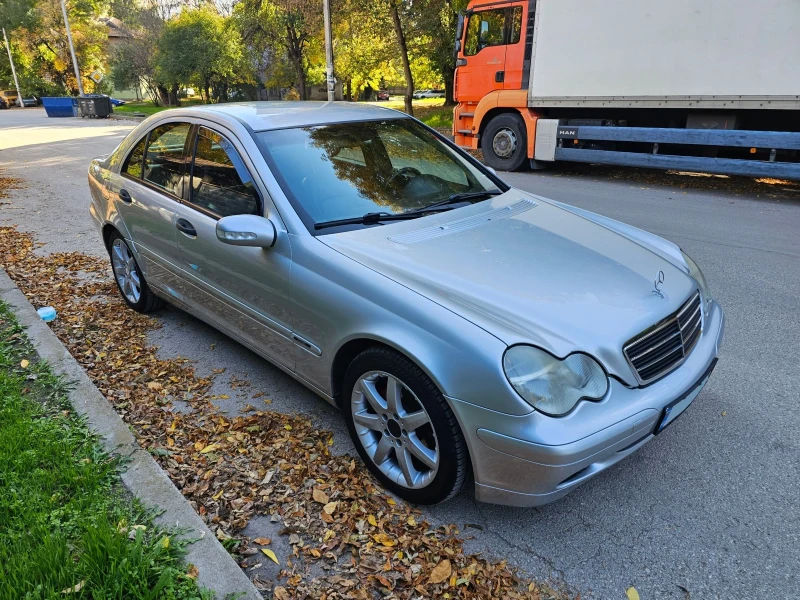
point(711, 509)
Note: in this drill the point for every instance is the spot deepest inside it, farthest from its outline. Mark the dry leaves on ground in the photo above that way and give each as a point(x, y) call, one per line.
point(233, 467)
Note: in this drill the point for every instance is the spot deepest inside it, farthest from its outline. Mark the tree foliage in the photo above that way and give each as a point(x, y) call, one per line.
point(199, 47)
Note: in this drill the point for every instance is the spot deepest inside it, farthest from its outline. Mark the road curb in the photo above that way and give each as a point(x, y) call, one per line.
point(126, 117)
point(143, 477)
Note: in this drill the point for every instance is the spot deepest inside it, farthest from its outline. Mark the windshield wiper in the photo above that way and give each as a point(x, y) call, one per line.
point(454, 199)
point(371, 218)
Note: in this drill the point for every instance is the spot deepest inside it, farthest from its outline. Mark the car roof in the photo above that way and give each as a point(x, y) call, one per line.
point(263, 116)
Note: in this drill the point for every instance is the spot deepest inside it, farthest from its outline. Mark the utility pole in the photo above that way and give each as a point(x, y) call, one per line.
point(72, 49)
point(13, 70)
point(326, 12)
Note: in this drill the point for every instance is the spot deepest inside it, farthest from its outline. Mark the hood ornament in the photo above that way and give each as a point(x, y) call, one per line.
point(657, 283)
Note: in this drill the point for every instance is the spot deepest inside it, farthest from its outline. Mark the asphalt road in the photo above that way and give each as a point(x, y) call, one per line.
point(710, 509)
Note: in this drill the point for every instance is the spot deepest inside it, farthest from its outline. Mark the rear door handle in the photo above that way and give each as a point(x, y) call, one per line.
point(186, 228)
point(125, 196)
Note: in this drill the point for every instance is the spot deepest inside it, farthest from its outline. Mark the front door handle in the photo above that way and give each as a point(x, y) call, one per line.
point(499, 76)
point(186, 228)
point(125, 196)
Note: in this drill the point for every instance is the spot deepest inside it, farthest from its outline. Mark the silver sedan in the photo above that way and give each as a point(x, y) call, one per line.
point(462, 326)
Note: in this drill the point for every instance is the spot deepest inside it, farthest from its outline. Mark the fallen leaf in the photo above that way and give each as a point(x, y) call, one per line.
point(271, 555)
point(75, 588)
point(330, 507)
point(262, 541)
point(320, 496)
point(280, 593)
point(632, 593)
point(441, 572)
point(209, 448)
point(384, 540)
point(24, 364)
point(165, 542)
point(192, 572)
point(412, 522)
point(372, 520)
point(154, 385)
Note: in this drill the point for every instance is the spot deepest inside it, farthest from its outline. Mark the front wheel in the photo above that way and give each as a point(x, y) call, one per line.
point(504, 142)
point(403, 427)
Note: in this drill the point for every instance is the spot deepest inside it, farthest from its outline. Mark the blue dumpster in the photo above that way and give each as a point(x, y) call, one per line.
point(66, 106)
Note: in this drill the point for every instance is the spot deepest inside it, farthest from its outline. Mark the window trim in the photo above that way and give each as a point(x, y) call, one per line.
point(187, 199)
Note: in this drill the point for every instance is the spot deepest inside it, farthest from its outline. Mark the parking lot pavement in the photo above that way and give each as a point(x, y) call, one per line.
point(709, 509)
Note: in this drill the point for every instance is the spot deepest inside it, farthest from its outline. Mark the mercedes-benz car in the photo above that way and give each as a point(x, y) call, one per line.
point(467, 330)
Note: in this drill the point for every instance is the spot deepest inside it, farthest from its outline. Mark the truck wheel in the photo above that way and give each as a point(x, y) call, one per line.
point(505, 142)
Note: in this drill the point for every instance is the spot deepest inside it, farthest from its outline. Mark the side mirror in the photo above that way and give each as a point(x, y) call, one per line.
point(491, 170)
point(247, 230)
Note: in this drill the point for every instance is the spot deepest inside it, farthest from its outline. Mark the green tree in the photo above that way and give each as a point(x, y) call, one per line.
point(288, 30)
point(198, 47)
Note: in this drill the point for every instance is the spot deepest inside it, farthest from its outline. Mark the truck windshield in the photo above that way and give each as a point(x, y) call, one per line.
point(345, 170)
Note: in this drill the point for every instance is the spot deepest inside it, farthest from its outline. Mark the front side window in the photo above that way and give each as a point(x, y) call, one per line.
point(220, 182)
point(485, 28)
point(164, 159)
point(346, 170)
point(133, 164)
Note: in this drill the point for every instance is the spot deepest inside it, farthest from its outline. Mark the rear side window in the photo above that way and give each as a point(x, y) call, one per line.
point(164, 159)
point(133, 164)
point(220, 182)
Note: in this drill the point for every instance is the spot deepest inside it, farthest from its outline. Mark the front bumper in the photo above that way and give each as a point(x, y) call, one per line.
point(534, 459)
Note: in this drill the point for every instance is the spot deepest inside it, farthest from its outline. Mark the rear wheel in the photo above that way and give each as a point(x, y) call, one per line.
point(504, 142)
point(130, 281)
point(403, 427)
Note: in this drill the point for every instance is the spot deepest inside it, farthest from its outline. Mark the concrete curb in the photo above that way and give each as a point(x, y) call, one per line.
point(143, 477)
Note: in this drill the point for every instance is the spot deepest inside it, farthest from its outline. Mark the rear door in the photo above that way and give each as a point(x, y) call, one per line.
point(147, 193)
point(239, 289)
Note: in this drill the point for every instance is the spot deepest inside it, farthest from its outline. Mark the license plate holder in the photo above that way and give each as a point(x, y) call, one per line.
point(677, 407)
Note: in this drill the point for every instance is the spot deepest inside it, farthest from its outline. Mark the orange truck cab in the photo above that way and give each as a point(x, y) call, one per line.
point(493, 41)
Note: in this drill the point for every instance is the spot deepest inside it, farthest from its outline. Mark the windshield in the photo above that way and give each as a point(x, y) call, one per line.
point(346, 170)
point(10, 93)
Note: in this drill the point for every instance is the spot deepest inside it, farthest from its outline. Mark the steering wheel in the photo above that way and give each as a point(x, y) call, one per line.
point(405, 172)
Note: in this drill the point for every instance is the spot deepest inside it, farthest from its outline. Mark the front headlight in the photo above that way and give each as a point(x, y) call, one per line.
point(697, 275)
point(550, 385)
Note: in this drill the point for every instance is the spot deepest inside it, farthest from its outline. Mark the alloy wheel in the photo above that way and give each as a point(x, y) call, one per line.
point(395, 430)
point(125, 271)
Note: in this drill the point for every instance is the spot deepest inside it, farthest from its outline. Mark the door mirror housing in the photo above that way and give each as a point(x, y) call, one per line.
point(247, 230)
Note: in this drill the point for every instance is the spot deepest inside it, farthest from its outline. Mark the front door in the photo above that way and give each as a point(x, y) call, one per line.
point(239, 289)
point(483, 55)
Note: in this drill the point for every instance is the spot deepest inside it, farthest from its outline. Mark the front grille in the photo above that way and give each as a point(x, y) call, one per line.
point(667, 344)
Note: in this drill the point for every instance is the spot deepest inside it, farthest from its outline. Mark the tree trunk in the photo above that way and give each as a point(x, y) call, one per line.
point(401, 42)
point(295, 50)
point(173, 95)
point(163, 94)
point(349, 95)
point(449, 84)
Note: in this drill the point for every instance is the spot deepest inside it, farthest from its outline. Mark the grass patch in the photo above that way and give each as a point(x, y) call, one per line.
point(66, 527)
point(430, 111)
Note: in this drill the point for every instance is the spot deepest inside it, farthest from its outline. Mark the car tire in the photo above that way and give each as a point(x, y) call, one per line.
point(415, 446)
point(504, 142)
point(126, 270)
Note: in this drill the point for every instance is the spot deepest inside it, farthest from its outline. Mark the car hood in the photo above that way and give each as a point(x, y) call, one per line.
point(528, 271)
